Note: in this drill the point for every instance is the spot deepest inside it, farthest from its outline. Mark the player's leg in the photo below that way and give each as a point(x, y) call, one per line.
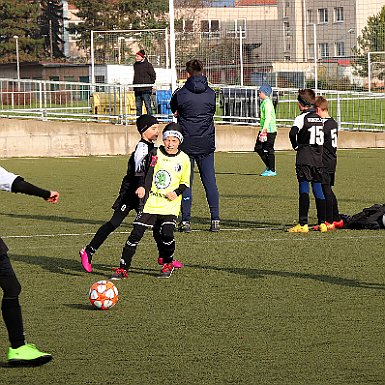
point(157, 232)
point(270, 153)
point(147, 101)
point(19, 353)
point(258, 148)
point(138, 103)
point(166, 244)
point(336, 212)
point(303, 202)
point(142, 222)
point(303, 207)
point(207, 174)
point(185, 224)
point(337, 220)
point(328, 194)
point(101, 235)
point(320, 204)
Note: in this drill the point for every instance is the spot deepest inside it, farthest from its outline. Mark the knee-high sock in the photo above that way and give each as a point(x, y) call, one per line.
point(11, 312)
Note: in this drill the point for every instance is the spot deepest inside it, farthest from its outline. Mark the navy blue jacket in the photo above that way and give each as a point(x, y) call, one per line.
point(195, 103)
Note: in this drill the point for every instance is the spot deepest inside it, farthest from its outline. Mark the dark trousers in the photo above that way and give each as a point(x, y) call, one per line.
point(140, 97)
point(206, 170)
point(107, 228)
point(266, 150)
point(163, 227)
point(10, 306)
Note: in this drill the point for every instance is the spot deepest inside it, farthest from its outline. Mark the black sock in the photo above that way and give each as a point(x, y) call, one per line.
point(13, 320)
point(101, 235)
point(304, 203)
point(321, 210)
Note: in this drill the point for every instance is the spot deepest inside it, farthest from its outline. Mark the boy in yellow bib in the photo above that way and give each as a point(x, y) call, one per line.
point(167, 176)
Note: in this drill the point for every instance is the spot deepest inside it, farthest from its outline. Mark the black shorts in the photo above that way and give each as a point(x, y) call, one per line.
point(150, 220)
point(124, 208)
point(312, 173)
point(126, 203)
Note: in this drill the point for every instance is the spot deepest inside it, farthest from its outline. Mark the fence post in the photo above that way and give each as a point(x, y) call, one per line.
point(41, 99)
point(120, 120)
point(339, 110)
point(241, 54)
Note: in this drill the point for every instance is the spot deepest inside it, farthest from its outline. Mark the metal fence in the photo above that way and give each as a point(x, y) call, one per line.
point(69, 101)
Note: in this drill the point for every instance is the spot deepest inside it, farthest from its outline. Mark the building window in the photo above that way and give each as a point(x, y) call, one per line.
point(286, 28)
point(310, 51)
point(188, 25)
point(286, 9)
point(232, 27)
point(338, 14)
point(323, 16)
point(323, 50)
point(340, 48)
point(99, 79)
point(310, 16)
point(210, 28)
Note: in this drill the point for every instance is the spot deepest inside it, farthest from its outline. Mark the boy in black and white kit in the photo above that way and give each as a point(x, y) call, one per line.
point(127, 199)
point(20, 353)
point(307, 138)
point(329, 158)
point(168, 175)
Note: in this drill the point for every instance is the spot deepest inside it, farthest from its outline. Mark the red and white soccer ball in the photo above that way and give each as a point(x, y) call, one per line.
point(103, 295)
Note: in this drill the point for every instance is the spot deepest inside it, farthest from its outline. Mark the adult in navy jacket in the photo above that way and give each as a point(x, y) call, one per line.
point(194, 106)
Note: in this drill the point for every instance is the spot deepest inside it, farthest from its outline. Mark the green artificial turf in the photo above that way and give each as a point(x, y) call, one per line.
point(253, 304)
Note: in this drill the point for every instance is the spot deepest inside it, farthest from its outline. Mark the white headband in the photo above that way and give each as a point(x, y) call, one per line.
point(177, 134)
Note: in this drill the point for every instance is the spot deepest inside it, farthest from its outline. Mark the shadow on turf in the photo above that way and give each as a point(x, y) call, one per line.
point(196, 220)
point(55, 218)
point(64, 266)
point(52, 264)
point(6, 365)
point(260, 273)
point(237, 223)
point(234, 173)
point(81, 306)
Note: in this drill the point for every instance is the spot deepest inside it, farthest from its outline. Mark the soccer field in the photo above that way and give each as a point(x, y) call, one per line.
point(253, 305)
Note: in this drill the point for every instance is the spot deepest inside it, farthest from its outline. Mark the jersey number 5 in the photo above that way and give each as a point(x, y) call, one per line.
point(316, 135)
point(333, 134)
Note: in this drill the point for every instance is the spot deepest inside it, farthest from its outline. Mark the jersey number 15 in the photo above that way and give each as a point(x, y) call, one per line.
point(316, 135)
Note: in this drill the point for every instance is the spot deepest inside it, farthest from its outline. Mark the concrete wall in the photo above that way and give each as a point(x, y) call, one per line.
point(20, 138)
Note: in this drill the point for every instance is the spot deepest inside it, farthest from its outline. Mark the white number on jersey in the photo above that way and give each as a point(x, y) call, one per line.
point(316, 135)
point(333, 134)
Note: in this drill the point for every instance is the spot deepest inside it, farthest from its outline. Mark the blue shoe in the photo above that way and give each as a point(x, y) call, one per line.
point(272, 173)
point(265, 173)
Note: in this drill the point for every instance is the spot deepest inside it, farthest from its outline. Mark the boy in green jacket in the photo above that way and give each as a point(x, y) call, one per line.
point(264, 144)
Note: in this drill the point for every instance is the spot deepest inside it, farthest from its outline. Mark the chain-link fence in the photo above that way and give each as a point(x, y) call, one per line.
point(120, 46)
point(316, 44)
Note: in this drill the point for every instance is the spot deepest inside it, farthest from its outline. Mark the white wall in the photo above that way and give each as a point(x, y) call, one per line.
point(124, 74)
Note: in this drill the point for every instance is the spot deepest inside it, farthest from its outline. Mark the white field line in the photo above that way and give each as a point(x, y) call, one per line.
point(292, 237)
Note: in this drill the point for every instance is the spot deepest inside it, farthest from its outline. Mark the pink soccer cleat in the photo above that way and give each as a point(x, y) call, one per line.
point(85, 260)
point(177, 264)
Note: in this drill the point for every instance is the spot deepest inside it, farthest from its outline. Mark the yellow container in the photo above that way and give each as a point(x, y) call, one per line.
point(109, 104)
